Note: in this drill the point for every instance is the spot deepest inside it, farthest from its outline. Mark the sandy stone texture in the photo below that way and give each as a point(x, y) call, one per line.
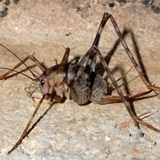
point(69, 131)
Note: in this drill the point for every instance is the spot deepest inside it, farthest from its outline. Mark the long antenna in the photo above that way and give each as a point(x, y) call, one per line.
point(20, 60)
point(17, 73)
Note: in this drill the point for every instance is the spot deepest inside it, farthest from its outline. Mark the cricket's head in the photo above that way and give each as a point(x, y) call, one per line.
point(53, 83)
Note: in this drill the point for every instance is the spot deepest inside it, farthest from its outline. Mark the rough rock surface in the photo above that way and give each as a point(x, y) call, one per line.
point(69, 131)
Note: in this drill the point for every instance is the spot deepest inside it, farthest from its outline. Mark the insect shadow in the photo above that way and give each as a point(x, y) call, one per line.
point(108, 57)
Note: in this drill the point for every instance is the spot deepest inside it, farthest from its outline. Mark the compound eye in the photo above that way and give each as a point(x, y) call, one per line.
point(42, 82)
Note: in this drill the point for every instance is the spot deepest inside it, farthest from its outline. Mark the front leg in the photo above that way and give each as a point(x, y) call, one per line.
point(66, 55)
